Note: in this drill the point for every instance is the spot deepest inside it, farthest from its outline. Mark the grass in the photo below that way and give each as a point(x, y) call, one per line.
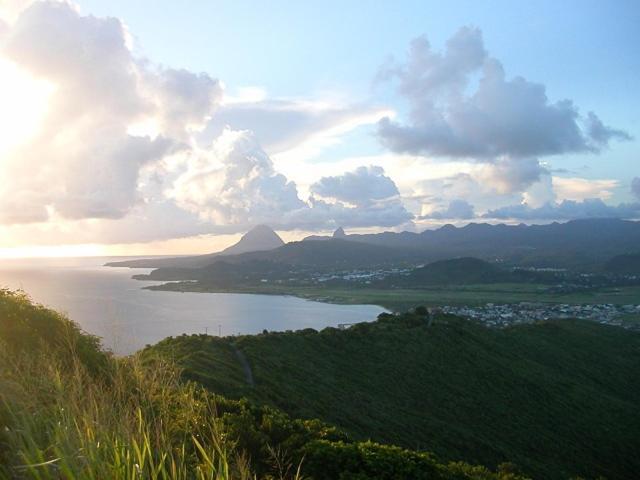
point(69, 410)
point(400, 299)
point(62, 422)
point(557, 398)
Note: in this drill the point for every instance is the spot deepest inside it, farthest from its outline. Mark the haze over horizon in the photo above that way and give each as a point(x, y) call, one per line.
point(130, 133)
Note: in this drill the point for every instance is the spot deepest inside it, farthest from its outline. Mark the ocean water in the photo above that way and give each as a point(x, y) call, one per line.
point(105, 301)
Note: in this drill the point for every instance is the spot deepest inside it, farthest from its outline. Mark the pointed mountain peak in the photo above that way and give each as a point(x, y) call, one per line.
point(259, 238)
point(339, 233)
point(259, 230)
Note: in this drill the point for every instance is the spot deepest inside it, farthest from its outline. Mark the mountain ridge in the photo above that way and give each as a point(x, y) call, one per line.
point(583, 244)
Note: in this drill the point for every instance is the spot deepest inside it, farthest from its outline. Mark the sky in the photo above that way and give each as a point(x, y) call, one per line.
point(163, 127)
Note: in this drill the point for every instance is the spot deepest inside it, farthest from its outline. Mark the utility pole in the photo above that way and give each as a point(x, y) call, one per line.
point(219, 330)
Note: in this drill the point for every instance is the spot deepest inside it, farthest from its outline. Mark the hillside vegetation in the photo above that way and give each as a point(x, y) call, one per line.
point(628, 264)
point(459, 271)
point(71, 411)
point(557, 398)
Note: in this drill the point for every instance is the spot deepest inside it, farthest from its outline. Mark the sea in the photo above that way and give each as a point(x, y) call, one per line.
point(107, 302)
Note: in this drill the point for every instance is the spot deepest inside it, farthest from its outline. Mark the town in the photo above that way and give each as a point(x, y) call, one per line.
point(504, 315)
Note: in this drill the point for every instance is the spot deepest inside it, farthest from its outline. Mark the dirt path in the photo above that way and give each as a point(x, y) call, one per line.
point(248, 375)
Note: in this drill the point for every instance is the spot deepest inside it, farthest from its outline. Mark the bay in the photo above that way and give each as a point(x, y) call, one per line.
point(107, 302)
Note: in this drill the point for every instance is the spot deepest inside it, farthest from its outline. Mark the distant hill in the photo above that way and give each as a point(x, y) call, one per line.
point(627, 264)
point(259, 238)
point(559, 399)
point(339, 233)
point(458, 271)
point(581, 243)
point(331, 254)
point(578, 244)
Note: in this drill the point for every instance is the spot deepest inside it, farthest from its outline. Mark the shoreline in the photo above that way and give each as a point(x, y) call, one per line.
point(401, 299)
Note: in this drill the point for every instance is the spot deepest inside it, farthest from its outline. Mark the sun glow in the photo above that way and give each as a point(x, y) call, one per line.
point(23, 105)
point(57, 251)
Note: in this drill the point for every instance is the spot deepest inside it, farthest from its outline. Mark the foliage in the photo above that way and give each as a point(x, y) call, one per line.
point(557, 398)
point(455, 271)
point(372, 461)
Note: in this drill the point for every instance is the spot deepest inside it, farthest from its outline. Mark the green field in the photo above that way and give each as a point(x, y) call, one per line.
point(402, 299)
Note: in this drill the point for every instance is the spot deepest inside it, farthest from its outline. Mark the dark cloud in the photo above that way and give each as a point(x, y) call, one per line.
point(602, 134)
point(327, 215)
point(635, 187)
point(567, 210)
point(500, 117)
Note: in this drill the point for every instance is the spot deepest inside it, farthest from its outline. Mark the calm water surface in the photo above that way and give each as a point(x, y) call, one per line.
point(107, 302)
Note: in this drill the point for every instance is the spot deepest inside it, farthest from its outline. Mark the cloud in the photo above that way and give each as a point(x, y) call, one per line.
point(235, 183)
point(362, 197)
point(82, 162)
point(635, 187)
point(185, 100)
point(4, 29)
point(363, 186)
point(123, 140)
point(323, 215)
point(508, 175)
point(602, 134)
point(578, 189)
point(226, 188)
point(540, 193)
point(284, 124)
point(500, 117)
point(462, 105)
point(10, 9)
point(457, 210)
point(127, 150)
point(567, 210)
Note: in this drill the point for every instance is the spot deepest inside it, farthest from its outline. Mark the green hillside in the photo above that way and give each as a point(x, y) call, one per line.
point(71, 411)
point(628, 264)
point(458, 271)
point(558, 398)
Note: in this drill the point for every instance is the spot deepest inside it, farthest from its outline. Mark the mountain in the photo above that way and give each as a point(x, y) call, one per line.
point(458, 271)
point(582, 244)
point(294, 257)
point(558, 398)
point(259, 238)
point(339, 233)
point(627, 264)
